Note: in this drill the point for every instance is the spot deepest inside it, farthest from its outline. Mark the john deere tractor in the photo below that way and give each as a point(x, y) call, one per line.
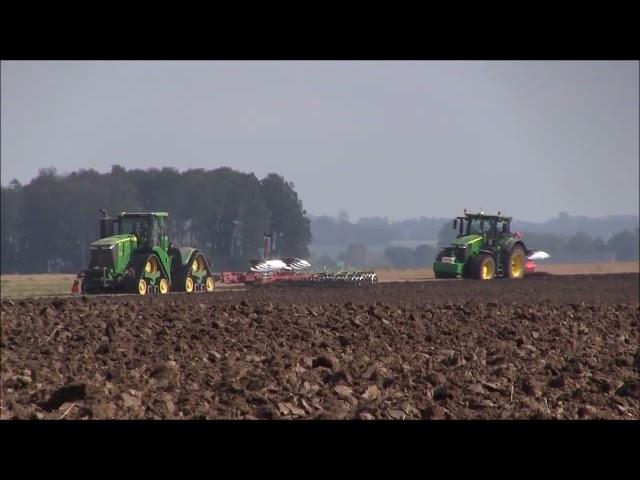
point(484, 248)
point(134, 255)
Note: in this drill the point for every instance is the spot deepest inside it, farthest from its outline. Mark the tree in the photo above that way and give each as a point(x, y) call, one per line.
point(401, 257)
point(373, 221)
point(356, 255)
point(446, 234)
point(599, 245)
point(624, 245)
point(246, 198)
point(544, 241)
point(42, 232)
point(222, 212)
point(424, 255)
point(343, 216)
point(10, 230)
point(326, 262)
point(286, 216)
point(231, 223)
point(580, 243)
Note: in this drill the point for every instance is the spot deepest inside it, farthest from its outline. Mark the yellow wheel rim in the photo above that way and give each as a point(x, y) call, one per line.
point(516, 266)
point(151, 266)
point(142, 287)
point(486, 269)
point(188, 285)
point(164, 285)
point(486, 272)
point(198, 264)
point(209, 284)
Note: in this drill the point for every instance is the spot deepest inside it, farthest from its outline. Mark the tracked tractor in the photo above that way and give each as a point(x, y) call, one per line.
point(134, 255)
point(484, 248)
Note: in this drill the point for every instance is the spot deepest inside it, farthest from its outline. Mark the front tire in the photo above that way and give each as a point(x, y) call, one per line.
point(87, 288)
point(485, 267)
point(515, 266)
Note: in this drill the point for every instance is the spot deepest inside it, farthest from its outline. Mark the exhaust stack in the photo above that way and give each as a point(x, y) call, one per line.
point(106, 224)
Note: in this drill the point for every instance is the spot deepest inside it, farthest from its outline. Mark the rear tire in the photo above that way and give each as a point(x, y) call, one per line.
point(484, 267)
point(152, 266)
point(198, 264)
point(184, 278)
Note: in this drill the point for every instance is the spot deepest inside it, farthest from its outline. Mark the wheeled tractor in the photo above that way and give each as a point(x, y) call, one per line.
point(484, 248)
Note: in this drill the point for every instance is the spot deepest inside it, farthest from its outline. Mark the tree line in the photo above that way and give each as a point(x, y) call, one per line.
point(380, 231)
point(621, 246)
point(357, 256)
point(371, 231)
point(48, 224)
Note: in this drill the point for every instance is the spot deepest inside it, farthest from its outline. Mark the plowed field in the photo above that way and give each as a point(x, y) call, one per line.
point(546, 346)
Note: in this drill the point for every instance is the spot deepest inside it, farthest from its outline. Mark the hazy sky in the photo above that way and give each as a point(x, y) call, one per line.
point(396, 139)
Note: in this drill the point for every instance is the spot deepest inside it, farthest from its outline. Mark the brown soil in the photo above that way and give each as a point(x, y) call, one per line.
point(420, 274)
point(543, 347)
point(589, 268)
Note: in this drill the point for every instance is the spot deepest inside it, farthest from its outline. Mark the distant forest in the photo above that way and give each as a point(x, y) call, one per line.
point(48, 224)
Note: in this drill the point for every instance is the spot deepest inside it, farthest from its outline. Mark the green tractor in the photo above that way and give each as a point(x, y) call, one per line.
point(484, 249)
point(134, 255)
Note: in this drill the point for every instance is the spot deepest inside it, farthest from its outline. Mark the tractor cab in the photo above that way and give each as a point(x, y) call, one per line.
point(492, 228)
point(148, 228)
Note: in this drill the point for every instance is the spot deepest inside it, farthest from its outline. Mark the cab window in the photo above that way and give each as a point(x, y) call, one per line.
point(501, 224)
point(479, 226)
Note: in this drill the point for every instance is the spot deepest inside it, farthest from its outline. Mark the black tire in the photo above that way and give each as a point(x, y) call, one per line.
point(182, 272)
point(517, 259)
point(135, 272)
point(469, 271)
point(88, 288)
point(481, 262)
point(178, 279)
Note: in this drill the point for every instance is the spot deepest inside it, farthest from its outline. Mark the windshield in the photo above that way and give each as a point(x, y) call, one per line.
point(133, 225)
point(478, 226)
